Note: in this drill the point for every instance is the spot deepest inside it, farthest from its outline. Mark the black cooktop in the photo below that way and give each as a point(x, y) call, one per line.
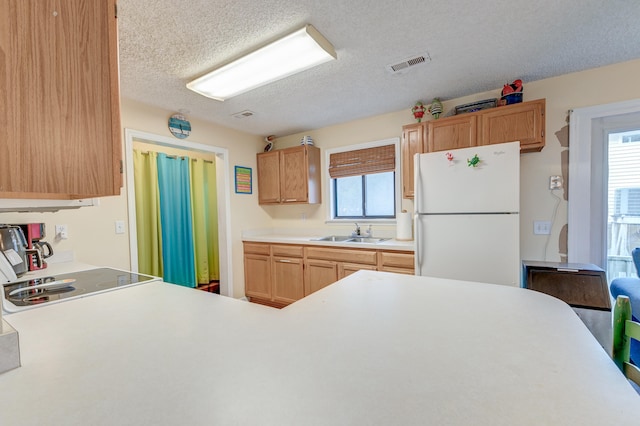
point(71, 285)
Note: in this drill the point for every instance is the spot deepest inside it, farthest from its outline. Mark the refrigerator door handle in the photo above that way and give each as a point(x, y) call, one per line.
point(418, 253)
point(417, 188)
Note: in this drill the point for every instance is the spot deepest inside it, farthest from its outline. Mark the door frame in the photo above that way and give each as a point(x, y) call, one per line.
point(222, 191)
point(584, 245)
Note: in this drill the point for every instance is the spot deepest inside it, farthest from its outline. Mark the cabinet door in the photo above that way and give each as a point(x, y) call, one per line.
point(522, 122)
point(257, 276)
point(288, 278)
point(451, 133)
point(268, 165)
point(293, 171)
point(412, 143)
point(319, 274)
point(60, 135)
point(346, 269)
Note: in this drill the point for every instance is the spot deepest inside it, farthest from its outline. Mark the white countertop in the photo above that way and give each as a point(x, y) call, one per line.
point(372, 349)
point(311, 239)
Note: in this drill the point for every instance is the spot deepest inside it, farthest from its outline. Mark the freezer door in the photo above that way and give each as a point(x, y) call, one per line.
point(483, 248)
point(452, 186)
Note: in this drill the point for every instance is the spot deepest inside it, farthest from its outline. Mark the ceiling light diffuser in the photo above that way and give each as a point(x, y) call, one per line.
point(298, 51)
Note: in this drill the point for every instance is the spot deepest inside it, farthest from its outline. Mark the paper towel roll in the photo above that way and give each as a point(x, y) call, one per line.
point(404, 226)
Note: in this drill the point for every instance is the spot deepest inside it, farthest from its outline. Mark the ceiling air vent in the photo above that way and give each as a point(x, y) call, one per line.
point(404, 65)
point(243, 114)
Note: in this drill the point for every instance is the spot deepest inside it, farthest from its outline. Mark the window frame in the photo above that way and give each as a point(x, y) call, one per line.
point(330, 208)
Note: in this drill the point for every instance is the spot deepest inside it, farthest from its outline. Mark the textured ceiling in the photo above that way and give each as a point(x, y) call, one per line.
point(474, 46)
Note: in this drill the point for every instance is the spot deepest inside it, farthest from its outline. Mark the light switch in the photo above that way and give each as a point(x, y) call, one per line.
point(542, 227)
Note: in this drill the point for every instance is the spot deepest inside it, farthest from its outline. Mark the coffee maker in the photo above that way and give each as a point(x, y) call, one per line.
point(37, 250)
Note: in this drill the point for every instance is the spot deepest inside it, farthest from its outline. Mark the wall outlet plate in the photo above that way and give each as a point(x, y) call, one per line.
point(555, 182)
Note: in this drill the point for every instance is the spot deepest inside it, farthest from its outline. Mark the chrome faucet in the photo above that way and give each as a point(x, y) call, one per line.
point(356, 233)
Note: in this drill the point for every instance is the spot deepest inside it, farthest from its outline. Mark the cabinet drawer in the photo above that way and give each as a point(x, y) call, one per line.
point(405, 271)
point(342, 255)
point(256, 248)
point(286, 250)
point(397, 259)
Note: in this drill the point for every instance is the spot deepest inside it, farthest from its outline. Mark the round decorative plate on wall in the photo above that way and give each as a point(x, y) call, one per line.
point(179, 126)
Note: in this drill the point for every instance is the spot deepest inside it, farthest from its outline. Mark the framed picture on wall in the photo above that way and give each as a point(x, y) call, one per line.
point(243, 180)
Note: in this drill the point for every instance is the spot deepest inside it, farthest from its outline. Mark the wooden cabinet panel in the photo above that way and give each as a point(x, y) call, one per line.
point(268, 166)
point(319, 274)
point(257, 248)
point(346, 269)
point(294, 182)
point(393, 269)
point(397, 261)
point(451, 133)
point(286, 250)
point(400, 259)
point(412, 143)
point(290, 175)
point(522, 122)
point(257, 276)
point(343, 255)
point(288, 277)
point(60, 135)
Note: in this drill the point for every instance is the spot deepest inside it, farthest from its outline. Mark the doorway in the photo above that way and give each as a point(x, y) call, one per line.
point(623, 196)
point(589, 236)
point(221, 158)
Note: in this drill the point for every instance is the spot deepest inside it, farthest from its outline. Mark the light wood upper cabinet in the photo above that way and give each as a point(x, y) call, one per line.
point(60, 135)
point(269, 177)
point(289, 176)
point(524, 122)
point(451, 133)
point(412, 143)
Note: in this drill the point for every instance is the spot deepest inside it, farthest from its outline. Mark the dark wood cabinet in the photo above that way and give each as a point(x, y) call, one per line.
point(580, 285)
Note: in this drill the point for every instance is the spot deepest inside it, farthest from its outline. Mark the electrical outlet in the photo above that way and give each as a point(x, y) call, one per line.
point(62, 232)
point(542, 227)
point(555, 182)
point(119, 226)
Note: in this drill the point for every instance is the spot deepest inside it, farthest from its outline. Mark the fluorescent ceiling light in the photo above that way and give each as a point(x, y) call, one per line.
point(298, 51)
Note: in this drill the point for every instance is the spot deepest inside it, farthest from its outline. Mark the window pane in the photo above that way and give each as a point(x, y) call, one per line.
point(349, 196)
point(380, 198)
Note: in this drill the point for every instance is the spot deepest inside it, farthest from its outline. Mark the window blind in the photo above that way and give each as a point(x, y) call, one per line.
point(363, 161)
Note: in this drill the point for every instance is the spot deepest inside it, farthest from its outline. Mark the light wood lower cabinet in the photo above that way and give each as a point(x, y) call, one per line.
point(397, 261)
point(257, 271)
point(288, 273)
point(279, 274)
point(319, 274)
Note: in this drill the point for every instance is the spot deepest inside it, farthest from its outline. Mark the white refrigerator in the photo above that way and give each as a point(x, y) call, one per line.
point(467, 222)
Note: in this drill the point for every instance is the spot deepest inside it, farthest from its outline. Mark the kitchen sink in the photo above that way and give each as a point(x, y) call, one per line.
point(334, 238)
point(349, 239)
point(370, 240)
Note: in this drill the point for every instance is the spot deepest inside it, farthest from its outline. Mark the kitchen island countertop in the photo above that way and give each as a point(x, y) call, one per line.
point(374, 348)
